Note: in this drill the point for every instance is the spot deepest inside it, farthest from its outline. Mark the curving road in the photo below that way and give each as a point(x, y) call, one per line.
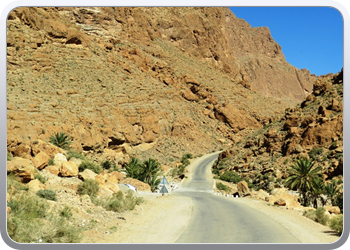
point(218, 220)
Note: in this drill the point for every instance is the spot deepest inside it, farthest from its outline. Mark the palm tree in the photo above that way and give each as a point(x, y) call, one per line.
point(303, 176)
point(133, 169)
point(316, 192)
point(61, 140)
point(151, 168)
point(331, 190)
point(154, 182)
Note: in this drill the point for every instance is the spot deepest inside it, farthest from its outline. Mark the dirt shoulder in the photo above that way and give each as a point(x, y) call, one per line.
point(160, 219)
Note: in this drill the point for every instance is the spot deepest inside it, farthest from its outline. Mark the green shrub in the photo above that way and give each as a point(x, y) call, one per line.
point(89, 187)
point(47, 194)
point(119, 202)
point(30, 221)
point(336, 223)
point(230, 176)
point(14, 182)
point(61, 140)
point(28, 206)
point(311, 214)
point(114, 204)
point(9, 156)
point(338, 201)
point(90, 165)
point(73, 154)
point(185, 162)
point(41, 178)
point(185, 159)
point(321, 217)
point(109, 166)
point(222, 187)
point(51, 162)
point(66, 212)
point(315, 152)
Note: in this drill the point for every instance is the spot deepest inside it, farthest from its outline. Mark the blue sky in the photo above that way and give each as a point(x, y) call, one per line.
point(310, 37)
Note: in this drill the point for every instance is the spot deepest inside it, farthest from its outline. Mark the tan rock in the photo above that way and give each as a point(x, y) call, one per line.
point(100, 179)
point(35, 185)
point(280, 202)
point(22, 168)
point(87, 174)
point(243, 188)
point(69, 169)
point(115, 177)
point(38, 146)
point(235, 118)
point(23, 151)
point(262, 194)
point(53, 169)
point(41, 160)
point(113, 187)
point(188, 95)
point(279, 194)
point(59, 159)
point(332, 209)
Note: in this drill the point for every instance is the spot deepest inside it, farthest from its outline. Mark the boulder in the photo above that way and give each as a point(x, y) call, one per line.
point(262, 195)
point(53, 169)
point(115, 177)
point(281, 197)
point(41, 160)
point(35, 185)
point(87, 174)
point(39, 146)
point(69, 169)
point(59, 159)
point(23, 151)
point(188, 95)
point(243, 188)
point(280, 202)
point(113, 187)
point(332, 209)
point(101, 179)
point(236, 119)
point(22, 168)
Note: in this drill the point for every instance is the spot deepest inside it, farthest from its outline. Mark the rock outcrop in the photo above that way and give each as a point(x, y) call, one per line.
point(120, 81)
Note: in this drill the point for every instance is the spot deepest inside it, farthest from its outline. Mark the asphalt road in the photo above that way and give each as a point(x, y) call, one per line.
point(218, 220)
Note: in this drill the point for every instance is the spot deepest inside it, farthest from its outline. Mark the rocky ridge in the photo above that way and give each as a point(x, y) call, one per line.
point(122, 81)
point(312, 129)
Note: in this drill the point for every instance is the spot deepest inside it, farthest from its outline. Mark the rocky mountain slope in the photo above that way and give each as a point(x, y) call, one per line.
point(151, 82)
point(128, 81)
point(313, 129)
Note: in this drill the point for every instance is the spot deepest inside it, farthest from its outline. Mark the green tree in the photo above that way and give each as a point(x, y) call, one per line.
point(133, 169)
point(61, 140)
point(331, 191)
point(303, 176)
point(316, 191)
point(147, 172)
point(154, 182)
point(150, 168)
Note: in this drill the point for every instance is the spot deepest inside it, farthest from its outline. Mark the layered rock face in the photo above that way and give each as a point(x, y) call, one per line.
point(123, 81)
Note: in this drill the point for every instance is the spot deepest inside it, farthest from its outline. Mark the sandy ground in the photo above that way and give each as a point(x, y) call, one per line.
point(161, 219)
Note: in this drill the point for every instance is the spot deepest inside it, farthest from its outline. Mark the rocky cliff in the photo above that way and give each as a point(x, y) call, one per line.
point(312, 129)
point(124, 81)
